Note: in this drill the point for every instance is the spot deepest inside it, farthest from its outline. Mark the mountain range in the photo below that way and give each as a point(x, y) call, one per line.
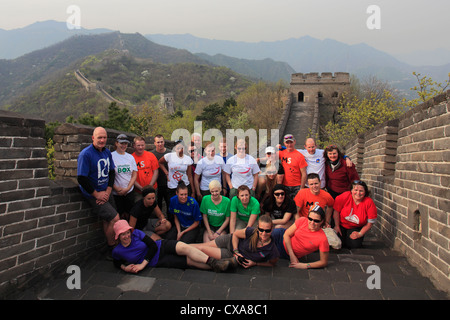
point(46, 51)
point(128, 66)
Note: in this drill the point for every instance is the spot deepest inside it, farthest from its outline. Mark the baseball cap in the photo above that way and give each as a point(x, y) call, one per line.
point(270, 149)
point(121, 138)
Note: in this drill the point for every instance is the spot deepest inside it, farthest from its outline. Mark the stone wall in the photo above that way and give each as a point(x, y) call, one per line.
point(406, 165)
point(44, 224)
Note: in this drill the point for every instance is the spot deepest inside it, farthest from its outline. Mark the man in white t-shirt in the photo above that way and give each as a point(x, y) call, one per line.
point(315, 160)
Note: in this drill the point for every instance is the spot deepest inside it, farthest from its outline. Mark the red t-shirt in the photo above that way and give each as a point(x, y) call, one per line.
point(353, 215)
point(305, 199)
point(292, 162)
point(146, 164)
point(305, 241)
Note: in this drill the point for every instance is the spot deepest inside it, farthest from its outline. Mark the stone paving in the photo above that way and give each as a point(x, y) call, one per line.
point(345, 278)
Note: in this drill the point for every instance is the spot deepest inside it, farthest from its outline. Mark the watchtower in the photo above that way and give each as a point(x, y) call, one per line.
point(167, 102)
point(327, 87)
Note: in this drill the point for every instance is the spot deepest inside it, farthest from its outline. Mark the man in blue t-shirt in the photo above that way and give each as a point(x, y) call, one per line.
point(95, 175)
point(187, 215)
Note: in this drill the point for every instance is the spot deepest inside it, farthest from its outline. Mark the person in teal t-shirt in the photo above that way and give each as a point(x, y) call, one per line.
point(244, 209)
point(216, 212)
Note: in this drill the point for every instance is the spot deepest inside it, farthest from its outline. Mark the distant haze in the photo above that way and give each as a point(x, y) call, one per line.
point(406, 26)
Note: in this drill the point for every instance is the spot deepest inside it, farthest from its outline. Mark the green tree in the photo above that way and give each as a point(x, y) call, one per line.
point(426, 89)
point(361, 109)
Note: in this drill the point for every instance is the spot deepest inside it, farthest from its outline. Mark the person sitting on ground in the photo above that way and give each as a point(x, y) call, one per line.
point(215, 209)
point(305, 236)
point(137, 251)
point(280, 207)
point(250, 246)
point(186, 212)
point(354, 214)
point(314, 195)
point(244, 209)
point(148, 217)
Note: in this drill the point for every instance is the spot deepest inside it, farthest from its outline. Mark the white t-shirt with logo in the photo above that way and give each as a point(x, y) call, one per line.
point(177, 169)
point(316, 164)
point(242, 170)
point(124, 165)
point(209, 170)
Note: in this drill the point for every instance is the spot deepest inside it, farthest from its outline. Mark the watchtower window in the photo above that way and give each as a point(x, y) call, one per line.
point(335, 94)
point(320, 94)
point(301, 96)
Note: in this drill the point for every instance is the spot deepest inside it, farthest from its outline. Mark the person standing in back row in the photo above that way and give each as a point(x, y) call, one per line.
point(159, 152)
point(147, 165)
point(294, 165)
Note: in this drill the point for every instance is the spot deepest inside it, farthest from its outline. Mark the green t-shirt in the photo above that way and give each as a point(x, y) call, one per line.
point(244, 213)
point(216, 213)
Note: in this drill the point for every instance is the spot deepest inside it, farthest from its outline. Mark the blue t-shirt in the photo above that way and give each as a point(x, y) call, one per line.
point(95, 165)
point(136, 251)
point(187, 213)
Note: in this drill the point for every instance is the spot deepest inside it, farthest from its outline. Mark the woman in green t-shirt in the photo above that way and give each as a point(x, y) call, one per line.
point(244, 210)
point(216, 212)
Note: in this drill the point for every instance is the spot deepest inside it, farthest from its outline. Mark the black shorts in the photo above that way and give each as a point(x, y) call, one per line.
point(168, 257)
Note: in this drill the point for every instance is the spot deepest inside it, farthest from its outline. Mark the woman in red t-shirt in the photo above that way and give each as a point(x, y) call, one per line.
point(354, 214)
point(305, 236)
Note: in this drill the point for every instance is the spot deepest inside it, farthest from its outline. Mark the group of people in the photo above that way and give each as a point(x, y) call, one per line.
point(222, 210)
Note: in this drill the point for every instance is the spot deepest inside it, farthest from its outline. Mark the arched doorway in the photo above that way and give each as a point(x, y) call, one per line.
point(301, 97)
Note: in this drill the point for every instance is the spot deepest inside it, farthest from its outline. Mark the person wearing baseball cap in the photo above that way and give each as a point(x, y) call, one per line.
point(294, 165)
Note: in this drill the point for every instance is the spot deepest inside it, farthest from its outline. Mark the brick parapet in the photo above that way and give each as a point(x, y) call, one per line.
point(406, 165)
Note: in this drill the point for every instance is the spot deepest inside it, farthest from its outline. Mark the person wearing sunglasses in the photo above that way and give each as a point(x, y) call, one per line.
point(338, 175)
point(250, 246)
point(354, 214)
point(304, 237)
point(280, 207)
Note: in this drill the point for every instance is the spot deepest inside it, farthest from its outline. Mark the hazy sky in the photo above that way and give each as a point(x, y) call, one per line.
point(405, 25)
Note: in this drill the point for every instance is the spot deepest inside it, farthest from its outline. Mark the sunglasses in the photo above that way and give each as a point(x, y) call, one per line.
point(264, 230)
point(315, 220)
point(279, 194)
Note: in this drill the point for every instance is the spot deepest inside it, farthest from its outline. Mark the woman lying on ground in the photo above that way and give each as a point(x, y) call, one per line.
point(250, 246)
point(305, 236)
point(136, 251)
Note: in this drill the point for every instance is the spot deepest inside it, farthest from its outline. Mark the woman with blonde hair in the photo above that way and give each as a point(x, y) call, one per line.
point(215, 209)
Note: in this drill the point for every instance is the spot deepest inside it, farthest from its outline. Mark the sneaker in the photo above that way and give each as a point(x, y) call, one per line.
point(219, 265)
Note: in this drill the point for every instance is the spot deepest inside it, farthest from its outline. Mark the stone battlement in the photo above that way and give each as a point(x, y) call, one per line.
point(324, 77)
